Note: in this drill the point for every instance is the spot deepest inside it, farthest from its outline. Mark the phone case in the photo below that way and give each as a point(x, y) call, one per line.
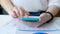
point(34, 19)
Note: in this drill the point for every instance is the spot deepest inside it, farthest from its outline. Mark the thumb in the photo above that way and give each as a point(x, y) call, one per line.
point(26, 14)
point(40, 18)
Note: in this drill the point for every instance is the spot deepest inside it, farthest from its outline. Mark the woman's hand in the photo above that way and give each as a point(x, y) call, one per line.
point(43, 18)
point(18, 12)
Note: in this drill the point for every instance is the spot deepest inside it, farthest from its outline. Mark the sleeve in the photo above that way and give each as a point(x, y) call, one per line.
point(54, 2)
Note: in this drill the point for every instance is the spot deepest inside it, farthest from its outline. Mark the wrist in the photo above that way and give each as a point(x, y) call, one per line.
point(50, 15)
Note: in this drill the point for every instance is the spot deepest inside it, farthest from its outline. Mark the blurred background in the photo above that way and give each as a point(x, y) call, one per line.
point(2, 11)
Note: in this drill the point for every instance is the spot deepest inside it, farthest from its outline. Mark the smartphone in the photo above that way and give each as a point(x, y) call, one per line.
point(30, 18)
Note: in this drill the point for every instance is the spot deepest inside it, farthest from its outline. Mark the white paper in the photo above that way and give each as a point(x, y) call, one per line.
point(47, 26)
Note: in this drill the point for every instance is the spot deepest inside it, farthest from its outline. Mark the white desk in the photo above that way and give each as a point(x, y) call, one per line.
point(12, 30)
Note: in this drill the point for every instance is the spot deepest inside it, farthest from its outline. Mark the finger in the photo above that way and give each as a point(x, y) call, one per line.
point(20, 11)
point(16, 11)
point(22, 8)
point(24, 11)
point(20, 21)
point(26, 14)
point(14, 14)
point(40, 19)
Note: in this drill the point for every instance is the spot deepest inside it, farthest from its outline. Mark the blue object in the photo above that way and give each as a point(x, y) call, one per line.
point(29, 19)
point(39, 33)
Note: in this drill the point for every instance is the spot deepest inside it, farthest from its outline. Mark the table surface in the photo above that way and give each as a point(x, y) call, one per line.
point(12, 30)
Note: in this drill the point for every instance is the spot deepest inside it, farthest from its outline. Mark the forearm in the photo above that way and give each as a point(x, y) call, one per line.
point(53, 9)
point(6, 4)
point(0, 2)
